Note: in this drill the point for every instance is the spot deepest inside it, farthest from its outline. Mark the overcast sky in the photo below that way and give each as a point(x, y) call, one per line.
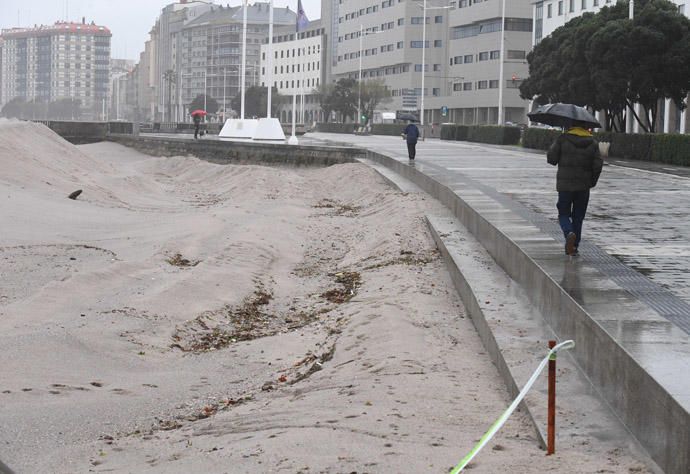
point(129, 20)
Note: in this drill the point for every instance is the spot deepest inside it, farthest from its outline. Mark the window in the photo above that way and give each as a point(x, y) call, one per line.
point(516, 54)
point(493, 84)
point(571, 6)
point(583, 5)
point(482, 84)
point(457, 86)
point(437, 67)
point(438, 43)
point(401, 21)
point(469, 58)
point(417, 20)
point(483, 56)
point(595, 3)
point(549, 10)
point(495, 55)
point(560, 7)
point(467, 86)
point(418, 44)
point(436, 91)
point(438, 19)
point(400, 45)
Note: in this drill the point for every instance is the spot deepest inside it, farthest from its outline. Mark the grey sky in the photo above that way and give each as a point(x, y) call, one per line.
point(129, 20)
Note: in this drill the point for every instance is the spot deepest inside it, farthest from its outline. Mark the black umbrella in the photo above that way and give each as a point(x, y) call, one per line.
point(404, 116)
point(564, 115)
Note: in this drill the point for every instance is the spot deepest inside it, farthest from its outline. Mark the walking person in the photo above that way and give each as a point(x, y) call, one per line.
point(576, 153)
point(197, 123)
point(411, 135)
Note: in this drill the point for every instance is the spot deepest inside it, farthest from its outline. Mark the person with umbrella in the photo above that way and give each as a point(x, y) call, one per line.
point(411, 135)
point(196, 116)
point(576, 153)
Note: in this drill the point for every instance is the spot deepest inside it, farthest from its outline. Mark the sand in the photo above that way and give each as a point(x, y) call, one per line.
point(182, 316)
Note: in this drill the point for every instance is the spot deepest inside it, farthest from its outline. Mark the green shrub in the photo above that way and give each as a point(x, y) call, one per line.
point(493, 134)
point(461, 132)
point(539, 138)
point(631, 146)
point(387, 128)
point(671, 148)
point(448, 131)
point(335, 127)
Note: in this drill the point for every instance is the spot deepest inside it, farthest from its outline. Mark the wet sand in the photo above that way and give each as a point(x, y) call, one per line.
point(182, 316)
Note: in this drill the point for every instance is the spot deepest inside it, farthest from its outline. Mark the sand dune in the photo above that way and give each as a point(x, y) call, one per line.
point(182, 316)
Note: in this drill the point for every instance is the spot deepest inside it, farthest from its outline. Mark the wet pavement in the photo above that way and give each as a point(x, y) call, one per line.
point(637, 230)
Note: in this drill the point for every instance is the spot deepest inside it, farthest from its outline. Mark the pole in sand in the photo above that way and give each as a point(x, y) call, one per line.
point(551, 419)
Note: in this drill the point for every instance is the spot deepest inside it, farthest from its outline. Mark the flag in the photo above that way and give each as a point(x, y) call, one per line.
point(302, 20)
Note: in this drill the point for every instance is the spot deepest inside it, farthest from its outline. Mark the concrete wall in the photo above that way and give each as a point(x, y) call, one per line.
point(223, 152)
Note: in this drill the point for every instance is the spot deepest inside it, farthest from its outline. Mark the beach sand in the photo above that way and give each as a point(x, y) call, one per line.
point(182, 316)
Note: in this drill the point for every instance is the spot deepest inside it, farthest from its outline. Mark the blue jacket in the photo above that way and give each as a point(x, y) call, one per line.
point(412, 133)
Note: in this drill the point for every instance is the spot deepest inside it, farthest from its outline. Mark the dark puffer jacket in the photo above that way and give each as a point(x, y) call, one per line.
point(578, 160)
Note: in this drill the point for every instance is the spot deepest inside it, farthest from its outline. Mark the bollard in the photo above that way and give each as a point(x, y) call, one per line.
point(551, 421)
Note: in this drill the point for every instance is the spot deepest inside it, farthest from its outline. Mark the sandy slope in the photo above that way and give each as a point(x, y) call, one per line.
point(182, 316)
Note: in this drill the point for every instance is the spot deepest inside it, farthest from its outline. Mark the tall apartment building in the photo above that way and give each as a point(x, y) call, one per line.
point(64, 60)
point(462, 45)
point(298, 60)
point(210, 56)
point(549, 15)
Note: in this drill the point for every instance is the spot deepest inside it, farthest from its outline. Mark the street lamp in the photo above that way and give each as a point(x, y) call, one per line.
point(500, 68)
point(424, 9)
point(359, 78)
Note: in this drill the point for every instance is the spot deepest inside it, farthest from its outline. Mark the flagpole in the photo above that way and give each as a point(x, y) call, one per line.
point(244, 58)
point(300, 17)
point(269, 63)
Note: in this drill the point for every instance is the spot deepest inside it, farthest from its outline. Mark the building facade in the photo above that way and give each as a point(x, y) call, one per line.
point(297, 64)
point(61, 61)
point(461, 41)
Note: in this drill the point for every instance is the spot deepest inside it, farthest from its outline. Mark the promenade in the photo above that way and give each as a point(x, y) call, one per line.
point(637, 229)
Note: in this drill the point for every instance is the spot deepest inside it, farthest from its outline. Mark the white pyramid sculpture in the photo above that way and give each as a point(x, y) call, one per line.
point(269, 129)
point(238, 128)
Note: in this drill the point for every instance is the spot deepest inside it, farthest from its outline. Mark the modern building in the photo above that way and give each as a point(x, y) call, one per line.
point(64, 60)
point(485, 65)
point(456, 47)
point(298, 60)
point(549, 15)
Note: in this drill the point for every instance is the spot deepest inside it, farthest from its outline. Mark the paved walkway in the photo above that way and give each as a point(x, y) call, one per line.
point(637, 230)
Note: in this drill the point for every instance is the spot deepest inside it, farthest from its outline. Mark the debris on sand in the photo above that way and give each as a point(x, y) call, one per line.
point(75, 194)
point(339, 209)
point(350, 281)
point(178, 260)
point(408, 258)
point(214, 330)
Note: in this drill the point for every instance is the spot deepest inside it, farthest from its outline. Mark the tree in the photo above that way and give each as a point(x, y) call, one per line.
point(607, 62)
point(14, 108)
point(198, 104)
point(345, 97)
point(325, 94)
point(374, 92)
point(256, 101)
point(170, 78)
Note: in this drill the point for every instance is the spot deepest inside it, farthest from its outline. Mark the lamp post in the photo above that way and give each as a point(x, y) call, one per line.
point(500, 68)
point(244, 57)
point(269, 63)
point(424, 9)
point(359, 78)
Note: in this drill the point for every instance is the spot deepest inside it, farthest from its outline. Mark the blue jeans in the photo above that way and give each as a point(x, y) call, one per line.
point(572, 206)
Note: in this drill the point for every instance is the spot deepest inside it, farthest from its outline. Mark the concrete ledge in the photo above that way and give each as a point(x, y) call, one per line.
point(223, 152)
point(635, 359)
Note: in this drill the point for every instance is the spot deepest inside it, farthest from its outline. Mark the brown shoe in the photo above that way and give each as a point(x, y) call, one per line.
point(570, 243)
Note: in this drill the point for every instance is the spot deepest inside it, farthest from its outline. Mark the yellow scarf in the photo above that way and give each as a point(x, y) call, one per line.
point(579, 131)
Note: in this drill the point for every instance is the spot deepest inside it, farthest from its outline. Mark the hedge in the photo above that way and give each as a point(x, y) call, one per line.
point(539, 138)
point(672, 149)
point(387, 128)
point(492, 134)
point(335, 127)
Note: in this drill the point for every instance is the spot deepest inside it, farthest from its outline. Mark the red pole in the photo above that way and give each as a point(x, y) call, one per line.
point(551, 431)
